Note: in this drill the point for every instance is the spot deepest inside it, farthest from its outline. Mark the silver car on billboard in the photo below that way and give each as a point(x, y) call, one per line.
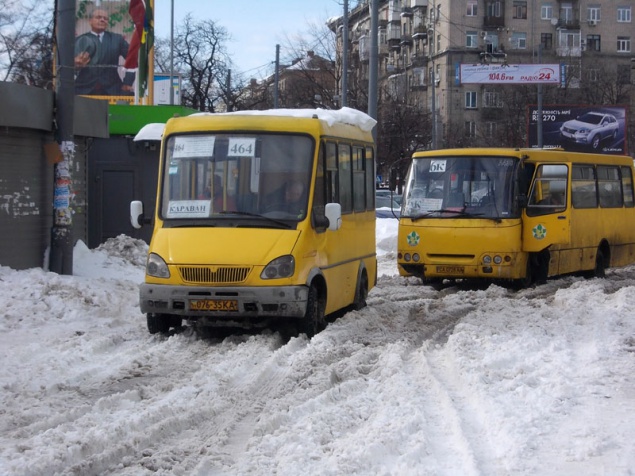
point(590, 129)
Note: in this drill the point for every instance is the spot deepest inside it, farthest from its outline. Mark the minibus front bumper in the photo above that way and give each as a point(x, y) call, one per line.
point(229, 302)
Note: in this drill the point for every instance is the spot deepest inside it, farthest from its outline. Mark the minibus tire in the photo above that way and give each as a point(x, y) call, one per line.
point(313, 320)
point(158, 323)
point(599, 271)
point(362, 293)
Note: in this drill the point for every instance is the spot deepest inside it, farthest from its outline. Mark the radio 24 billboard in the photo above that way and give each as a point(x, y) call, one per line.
point(598, 129)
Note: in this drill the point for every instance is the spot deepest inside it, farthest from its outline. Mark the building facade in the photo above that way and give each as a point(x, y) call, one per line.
point(421, 44)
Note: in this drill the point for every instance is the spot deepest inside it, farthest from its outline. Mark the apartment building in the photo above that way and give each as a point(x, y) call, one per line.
point(421, 44)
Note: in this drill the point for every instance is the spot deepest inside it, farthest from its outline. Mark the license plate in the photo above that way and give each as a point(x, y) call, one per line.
point(214, 305)
point(451, 269)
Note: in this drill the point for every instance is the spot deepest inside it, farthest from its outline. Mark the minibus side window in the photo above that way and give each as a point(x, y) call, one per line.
point(370, 179)
point(583, 187)
point(627, 187)
point(331, 173)
point(319, 196)
point(359, 180)
point(549, 191)
point(609, 185)
point(344, 168)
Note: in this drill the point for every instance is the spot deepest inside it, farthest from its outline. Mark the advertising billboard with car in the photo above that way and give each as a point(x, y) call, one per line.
point(598, 129)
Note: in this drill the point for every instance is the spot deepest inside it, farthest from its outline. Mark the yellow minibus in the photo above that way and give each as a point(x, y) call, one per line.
point(262, 217)
point(515, 215)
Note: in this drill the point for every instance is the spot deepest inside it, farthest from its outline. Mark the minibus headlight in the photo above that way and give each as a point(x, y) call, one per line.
point(156, 267)
point(407, 257)
point(416, 257)
point(282, 267)
point(487, 259)
point(498, 259)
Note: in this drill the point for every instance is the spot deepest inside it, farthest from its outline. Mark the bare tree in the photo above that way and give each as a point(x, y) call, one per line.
point(26, 42)
point(200, 56)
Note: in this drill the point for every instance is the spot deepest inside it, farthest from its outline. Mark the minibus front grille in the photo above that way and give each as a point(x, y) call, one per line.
point(213, 274)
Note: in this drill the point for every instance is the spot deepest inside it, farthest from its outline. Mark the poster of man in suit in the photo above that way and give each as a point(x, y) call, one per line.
point(103, 31)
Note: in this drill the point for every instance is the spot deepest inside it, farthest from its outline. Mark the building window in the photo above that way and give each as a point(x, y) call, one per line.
point(566, 13)
point(470, 100)
point(546, 40)
point(624, 74)
point(472, 8)
point(593, 43)
point(518, 41)
point(593, 75)
point(494, 9)
point(492, 99)
point(471, 39)
point(593, 14)
point(520, 10)
point(546, 11)
point(490, 129)
point(470, 129)
point(623, 44)
point(623, 14)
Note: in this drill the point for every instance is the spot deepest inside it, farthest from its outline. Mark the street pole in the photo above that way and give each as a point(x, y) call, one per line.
point(61, 255)
point(172, 54)
point(345, 54)
point(277, 78)
point(373, 63)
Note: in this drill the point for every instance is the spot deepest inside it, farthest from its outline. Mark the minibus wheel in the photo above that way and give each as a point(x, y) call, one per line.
point(362, 292)
point(313, 320)
point(158, 323)
point(599, 271)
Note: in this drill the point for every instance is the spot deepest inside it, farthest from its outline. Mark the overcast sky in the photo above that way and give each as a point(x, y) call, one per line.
point(255, 26)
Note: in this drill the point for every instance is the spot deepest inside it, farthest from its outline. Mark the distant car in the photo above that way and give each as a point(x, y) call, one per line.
point(590, 128)
point(385, 207)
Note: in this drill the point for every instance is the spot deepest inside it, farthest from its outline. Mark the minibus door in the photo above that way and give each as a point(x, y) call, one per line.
point(547, 217)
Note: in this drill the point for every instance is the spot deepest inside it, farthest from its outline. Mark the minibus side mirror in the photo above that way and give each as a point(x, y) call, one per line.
point(333, 211)
point(136, 214)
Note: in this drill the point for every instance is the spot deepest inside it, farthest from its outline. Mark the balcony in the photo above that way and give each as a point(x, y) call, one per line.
point(493, 57)
point(568, 24)
point(419, 32)
point(493, 22)
point(407, 12)
point(418, 3)
point(418, 60)
point(406, 40)
point(569, 51)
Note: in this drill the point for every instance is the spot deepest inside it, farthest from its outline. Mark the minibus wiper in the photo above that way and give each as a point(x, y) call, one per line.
point(457, 213)
point(256, 215)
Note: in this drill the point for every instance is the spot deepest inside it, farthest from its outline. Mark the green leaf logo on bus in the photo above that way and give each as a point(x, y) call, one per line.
point(413, 238)
point(539, 232)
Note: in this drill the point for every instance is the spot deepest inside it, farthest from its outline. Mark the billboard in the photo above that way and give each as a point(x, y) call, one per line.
point(509, 74)
point(162, 88)
point(598, 129)
point(109, 36)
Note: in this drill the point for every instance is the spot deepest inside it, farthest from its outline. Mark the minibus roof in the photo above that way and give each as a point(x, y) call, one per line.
point(329, 117)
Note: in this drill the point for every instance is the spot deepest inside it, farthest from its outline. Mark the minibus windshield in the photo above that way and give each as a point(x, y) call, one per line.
point(460, 187)
point(229, 175)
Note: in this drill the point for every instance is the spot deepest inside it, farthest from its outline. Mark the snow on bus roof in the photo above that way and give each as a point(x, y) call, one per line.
point(344, 115)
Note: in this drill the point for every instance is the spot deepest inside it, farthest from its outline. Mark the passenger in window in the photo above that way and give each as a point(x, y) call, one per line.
point(290, 198)
point(221, 202)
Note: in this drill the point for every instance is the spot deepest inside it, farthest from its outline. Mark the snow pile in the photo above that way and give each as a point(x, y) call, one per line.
point(458, 381)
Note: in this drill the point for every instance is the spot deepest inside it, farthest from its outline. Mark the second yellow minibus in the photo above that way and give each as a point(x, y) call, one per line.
point(261, 216)
point(519, 215)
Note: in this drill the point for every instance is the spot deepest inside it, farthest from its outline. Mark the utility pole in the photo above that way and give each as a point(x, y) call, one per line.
point(345, 55)
point(61, 255)
point(433, 79)
point(172, 54)
point(277, 78)
point(373, 62)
